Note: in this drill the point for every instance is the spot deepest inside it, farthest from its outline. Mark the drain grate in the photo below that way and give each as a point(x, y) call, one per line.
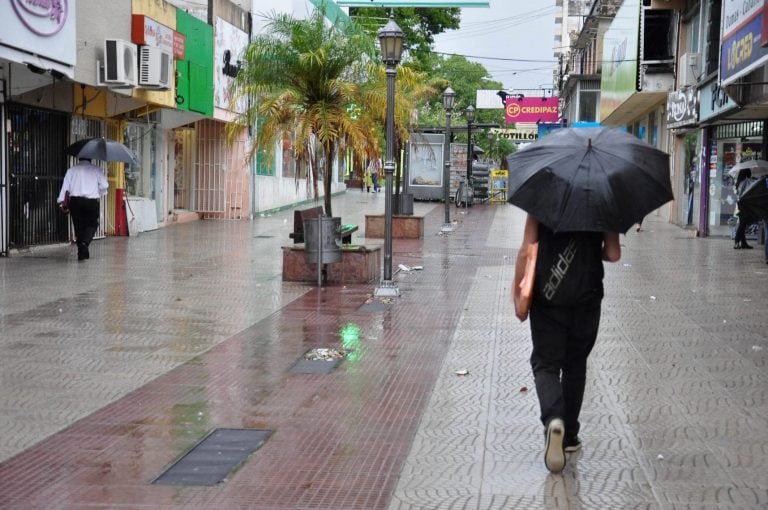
point(373, 306)
point(213, 458)
point(263, 237)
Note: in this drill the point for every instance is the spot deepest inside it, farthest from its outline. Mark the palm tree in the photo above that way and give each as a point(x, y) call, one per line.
point(303, 76)
point(322, 84)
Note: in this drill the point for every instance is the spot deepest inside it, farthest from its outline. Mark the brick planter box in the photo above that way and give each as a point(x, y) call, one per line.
point(359, 264)
point(403, 227)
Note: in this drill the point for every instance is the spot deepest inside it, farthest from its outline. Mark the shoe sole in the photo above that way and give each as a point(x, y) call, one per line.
point(573, 448)
point(554, 454)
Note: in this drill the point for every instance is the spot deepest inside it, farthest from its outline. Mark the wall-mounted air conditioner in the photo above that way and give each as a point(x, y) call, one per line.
point(155, 68)
point(119, 67)
point(690, 68)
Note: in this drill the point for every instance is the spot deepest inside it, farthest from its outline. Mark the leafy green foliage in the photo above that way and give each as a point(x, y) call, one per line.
point(420, 25)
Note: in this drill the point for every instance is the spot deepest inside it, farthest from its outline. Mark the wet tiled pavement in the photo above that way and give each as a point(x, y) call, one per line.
point(113, 368)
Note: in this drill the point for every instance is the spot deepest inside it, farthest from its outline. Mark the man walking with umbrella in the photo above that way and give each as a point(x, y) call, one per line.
point(581, 188)
point(83, 185)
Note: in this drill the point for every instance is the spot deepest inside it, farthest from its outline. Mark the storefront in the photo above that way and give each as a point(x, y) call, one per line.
point(729, 144)
point(682, 119)
point(724, 143)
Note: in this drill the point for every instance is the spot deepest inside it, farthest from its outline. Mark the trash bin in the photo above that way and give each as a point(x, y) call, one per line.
point(322, 240)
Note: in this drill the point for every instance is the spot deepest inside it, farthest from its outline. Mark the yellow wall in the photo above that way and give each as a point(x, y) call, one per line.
point(164, 13)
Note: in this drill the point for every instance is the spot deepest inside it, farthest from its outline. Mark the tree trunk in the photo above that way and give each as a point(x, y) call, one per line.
point(327, 176)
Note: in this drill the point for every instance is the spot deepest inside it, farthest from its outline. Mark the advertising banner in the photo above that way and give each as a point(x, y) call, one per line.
point(425, 160)
point(741, 50)
point(229, 43)
point(620, 54)
point(531, 109)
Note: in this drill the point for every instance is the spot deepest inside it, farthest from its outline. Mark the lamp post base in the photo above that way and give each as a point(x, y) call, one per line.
point(386, 288)
point(447, 227)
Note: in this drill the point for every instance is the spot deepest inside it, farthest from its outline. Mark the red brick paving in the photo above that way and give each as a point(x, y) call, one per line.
point(339, 440)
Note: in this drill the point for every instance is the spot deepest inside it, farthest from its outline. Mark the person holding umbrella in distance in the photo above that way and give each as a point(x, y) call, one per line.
point(581, 189)
point(85, 183)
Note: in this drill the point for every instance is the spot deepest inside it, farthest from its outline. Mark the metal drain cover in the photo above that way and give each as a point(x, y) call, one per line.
point(213, 458)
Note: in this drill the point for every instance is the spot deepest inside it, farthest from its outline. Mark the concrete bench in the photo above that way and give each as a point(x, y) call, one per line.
point(359, 264)
point(403, 226)
point(313, 212)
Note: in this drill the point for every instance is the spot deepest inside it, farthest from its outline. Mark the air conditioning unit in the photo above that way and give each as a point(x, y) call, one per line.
point(120, 61)
point(155, 68)
point(690, 69)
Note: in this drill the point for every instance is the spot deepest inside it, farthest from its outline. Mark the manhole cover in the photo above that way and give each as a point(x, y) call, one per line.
point(213, 458)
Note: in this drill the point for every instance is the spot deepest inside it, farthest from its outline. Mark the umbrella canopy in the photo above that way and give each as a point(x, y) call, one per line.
point(757, 166)
point(754, 201)
point(589, 179)
point(102, 149)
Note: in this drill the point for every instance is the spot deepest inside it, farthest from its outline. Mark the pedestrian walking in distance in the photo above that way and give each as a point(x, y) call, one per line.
point(83, 185)
point(565, 316)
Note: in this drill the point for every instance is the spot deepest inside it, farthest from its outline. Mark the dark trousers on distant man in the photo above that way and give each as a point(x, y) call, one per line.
point(562, 338)
point(85, 218)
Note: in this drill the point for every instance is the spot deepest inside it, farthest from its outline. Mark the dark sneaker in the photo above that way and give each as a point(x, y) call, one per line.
point(572, 444)
point(554, 455)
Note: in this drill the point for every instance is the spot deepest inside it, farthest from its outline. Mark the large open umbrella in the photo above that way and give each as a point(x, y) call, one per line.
point(589, 179)
point(102, 149)
point(753, 202)
point(758, 167)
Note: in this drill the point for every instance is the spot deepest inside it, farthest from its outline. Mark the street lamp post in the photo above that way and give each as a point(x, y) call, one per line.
point(470, 113)
point(391, 43)
point(449, 99)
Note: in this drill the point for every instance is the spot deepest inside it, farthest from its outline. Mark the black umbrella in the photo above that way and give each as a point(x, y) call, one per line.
point(102, 149)
point(753, 202)
point(589, 179)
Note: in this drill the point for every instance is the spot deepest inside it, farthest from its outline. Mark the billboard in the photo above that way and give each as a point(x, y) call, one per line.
point(741, 49)
point(620, 55)
point(531, 109)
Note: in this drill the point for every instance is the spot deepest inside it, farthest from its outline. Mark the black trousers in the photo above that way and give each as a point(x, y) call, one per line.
point(85, 218)
point(562, 337)
point(741, 232)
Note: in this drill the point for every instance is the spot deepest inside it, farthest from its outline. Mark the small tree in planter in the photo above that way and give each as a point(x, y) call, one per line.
point(299, 77)
point(322, 84)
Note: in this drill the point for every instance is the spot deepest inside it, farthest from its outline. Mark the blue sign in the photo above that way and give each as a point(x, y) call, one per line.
point(741, 52)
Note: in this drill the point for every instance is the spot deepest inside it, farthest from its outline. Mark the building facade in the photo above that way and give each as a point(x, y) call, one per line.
point(154, 75)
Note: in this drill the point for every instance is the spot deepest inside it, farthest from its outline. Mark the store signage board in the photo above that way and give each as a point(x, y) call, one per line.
point(741, 50)
point(683, 107)
point(531, 109)
point(413, 3)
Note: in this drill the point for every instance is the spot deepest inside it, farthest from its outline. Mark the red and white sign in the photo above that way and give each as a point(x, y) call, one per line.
point(531, 109)
point(145, 30)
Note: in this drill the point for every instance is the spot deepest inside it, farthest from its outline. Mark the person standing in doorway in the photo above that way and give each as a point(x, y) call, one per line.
point(83, 185)
point(565, 316)
point(740, 239)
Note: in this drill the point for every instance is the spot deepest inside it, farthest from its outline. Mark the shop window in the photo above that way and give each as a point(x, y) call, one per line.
point(712, 42)
point(659, 35)
point(588, 101)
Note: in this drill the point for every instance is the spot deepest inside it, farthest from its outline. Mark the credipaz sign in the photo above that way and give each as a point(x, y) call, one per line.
point(531, 109)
